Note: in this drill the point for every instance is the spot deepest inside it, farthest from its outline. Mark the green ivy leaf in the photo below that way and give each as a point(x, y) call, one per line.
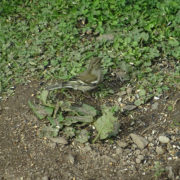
point(173, 42)
point(48, 131)
point(43, 96)
point(107, 125)
point(41, 111)
point(138, 102)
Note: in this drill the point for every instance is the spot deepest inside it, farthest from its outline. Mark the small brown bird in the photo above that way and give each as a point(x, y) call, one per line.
point(86, 80)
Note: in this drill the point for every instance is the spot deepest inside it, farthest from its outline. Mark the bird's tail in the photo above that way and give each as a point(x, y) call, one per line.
point(53, 87)
point(68, 84)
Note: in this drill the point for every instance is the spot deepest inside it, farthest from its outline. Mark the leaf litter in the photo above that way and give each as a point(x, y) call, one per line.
point(74, 121)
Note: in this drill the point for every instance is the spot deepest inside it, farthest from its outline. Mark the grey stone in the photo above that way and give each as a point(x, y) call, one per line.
point(140, 141)
point(129, 107)
point(122, 144)
point(155, 106)
point(87, 148)
point(59, 140)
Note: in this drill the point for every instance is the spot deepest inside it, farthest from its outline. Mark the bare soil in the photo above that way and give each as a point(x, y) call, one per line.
point(23, 155)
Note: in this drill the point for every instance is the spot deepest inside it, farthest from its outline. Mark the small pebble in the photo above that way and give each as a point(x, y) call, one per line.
point(129, 107)
point(119, 150)
point(150, 138)
point(141, 157)
point(144, 151)
point(138, 161)
point(169, 158)
point(159, 150)
point(122, 144)
point(163, 139)
point(59, 140)
point(155, 106)
point(134, 146)
point(87, 148)
point(151, 145)
point(178, 154)
point(156, 98)
point(45, 178)
point(137, 152)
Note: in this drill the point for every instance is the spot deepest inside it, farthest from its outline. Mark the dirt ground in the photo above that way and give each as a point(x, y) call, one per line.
point(23, 155)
